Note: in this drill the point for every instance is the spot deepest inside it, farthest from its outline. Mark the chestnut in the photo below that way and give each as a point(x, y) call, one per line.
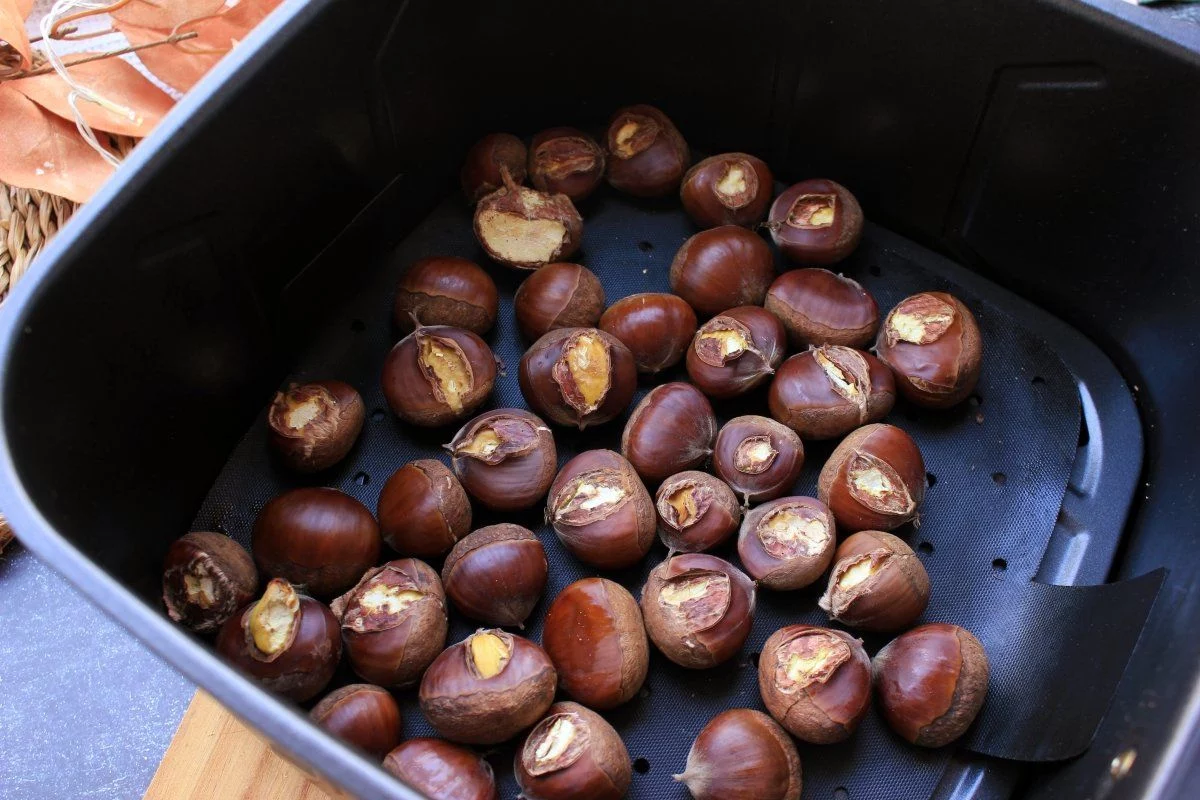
point(601, 511)
point(759, 458)
point(722, 267)
point(287, 642)
point(440, 769)
point(736, 351)
point(873, 480)
point(671, 430)
point(487, 688)
point(444, 290)
point(931, 683)
point(527, 229)
point(816, 221)
point(486, 162)
point(578, 376)
point(787, 543)
point(818, 307)
point(437, 375)
point(729, 189)
point(695, 512)
point(363, 715)
point(932, 343)
point(815, 682)
point(497, 574)
point(393, 622)
point(573, 753)
point(698, 609)
point(646, 152)
point(206, 578)
point(423, 509)
point(877, 584)
point(566, 161)
point(561, 295)
point(319, 538)
point(595, 637)
point(742, 754)
point(314, 425)
point(655, 326)
point(828, 391)
point(505, 458)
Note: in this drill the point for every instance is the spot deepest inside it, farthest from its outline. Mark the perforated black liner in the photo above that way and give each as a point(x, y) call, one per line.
point(997, 465)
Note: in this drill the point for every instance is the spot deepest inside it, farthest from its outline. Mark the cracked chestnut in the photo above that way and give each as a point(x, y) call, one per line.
point(647, 154)
point(656, 327)
point(526, 229)
point(560, 295)
point(437, 375)
point(671, 430)
point(696, 512)
point(758, 457)
point(578, 377)
point(722, 267)
point(497, 574)
point(729, 189)
point(505, 459)
point(816, 222)
point(444, 290)
point(873, 480)
point(932, 342)
point(742, 754)
point(877, 584)
point(362, 715)
point(573, 753)
point(787, 543)
point(566, 161)
point(314, 425)
point(440, 769)
point(736, 351)
point(698, 609)
point(486, 162)
point(828, 391)
point(423, 509)
point(206, 578)
point(601, 511)
point(818, 307)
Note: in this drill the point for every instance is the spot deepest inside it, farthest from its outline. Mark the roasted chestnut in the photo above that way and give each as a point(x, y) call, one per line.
point(736, 351)
point(595, 637)
point(787, 543)
point(828, 391)
point(816, 222)
point(578, 376)
point(497, 574)
point(393, 622)
point(527, 229)
point(505, 458)
point(698, 609)
point(759, 458)
point(671, 430)
point(363, 715)
point(742, 754)
point(318, 538)
point(729, 189)
point(877, 584)
point(873, 480)
point(601, 511)
point(931, 683)
point(818, 307)
point(423, 509)
point(444, 290)
point(437, 375)
point(439, 769)
point(566, 161)
point(314, 425)
point(655, 326)
point(695, 512)
point(573, 753)
point(646, 153)
point(206, 578)
point(488, 160)
point(722, 267)
point(561, 295)
point(932, 343)
point(487, 688)
point(287, 642)
point(816, 682)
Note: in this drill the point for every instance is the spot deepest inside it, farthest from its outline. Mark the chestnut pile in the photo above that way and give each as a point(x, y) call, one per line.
point(731, 321)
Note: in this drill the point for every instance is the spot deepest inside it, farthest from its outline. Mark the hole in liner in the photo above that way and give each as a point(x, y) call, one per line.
point(377, 415)
point(1084, 435)
point(641, 766)
point(840, 793)
point(875, 270)
point(362, 479)
point(999, 564)
point(925, 547)
point(1000, 478)
point(645, 246)
point(1038, 380)
point(930, 479)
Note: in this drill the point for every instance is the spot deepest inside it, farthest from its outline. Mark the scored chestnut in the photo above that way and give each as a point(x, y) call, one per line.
point(695, 512)
point(505, 458)
point(818, 307)
point(444, 290)
point(816, 221)
point(287, 642)
point(437, 375)
point(698, 609)
point(671, 430)
point(595, 637)
point(787, 543)
point(440, 769)
point(497, 574)
point(655, 326)
point(816, 682)
point(736, 351)
point(314, 425)
point(206, 578)
point(363, 715)
point(566, 161)
point(877, 583)
point(487, 161)
point(729, 189)
point(601, 511)
point(561, 295)
point(573, 753)
point(742, 754)
point(873, 480)
point(759, 458)
point(722, 267)
point(578, 376)
point(932, 342)
point(931, 683)
point(647, 154)
point(828, 391)
point(423, 509)
point(487, 688)
point(527, 229)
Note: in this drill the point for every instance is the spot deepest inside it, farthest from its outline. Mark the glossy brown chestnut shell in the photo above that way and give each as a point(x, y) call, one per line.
point(444, 290)
point(729, 189)
point(206, 578)
point(578, 377)
point(758, 457)
point(877, 584)
point(362, 715)
point(566, 161)
point(314, 425)
point(527, 229)
point(560, 295)
point(647, 155)
point(787, 543)
point(931, 683)
point(673, 429)
point(655, 326)
point(497, 574)
point(816, 222)
point(816, 682)
point(873, 480)
point(828, 391)
point(487, 160)
point(440, 769)
point(932, 342)
point(736, 351)
point(437, 375)
point(721, 268)
point(573, 753)
point(818, 307)
point(743, 754)
point(505, 458)
point(695, 512)
point(423, 509)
